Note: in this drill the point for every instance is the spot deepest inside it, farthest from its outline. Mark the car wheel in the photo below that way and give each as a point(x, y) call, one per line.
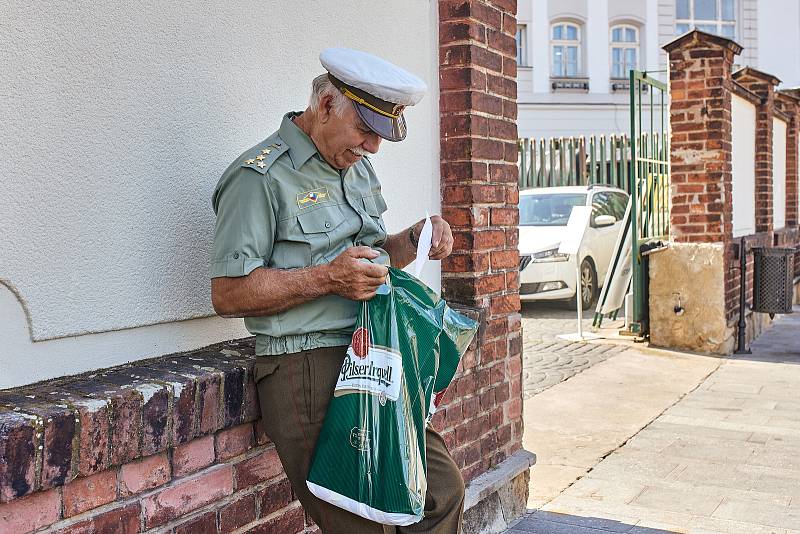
point(588, 286)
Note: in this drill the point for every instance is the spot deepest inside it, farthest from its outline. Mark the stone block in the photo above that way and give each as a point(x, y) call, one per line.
point(692, 276)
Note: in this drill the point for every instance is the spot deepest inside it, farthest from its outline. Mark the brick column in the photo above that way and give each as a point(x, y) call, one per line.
point(789, 103)
point(701, 208)
point(763, 85)
point(482, 420)
point(700, 119)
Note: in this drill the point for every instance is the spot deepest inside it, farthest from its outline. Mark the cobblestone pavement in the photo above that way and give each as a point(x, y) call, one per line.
point(548, 360)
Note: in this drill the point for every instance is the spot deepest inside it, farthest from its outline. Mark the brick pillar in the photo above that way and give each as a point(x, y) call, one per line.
point(789, 103)
point(482, 422)
point(701, 209)
point(763, 85)
point(700, 119)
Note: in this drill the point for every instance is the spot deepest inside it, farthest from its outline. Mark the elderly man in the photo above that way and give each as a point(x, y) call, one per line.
point(299, 240)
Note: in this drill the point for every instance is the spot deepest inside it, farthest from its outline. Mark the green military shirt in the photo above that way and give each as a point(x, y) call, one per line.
point(280, 205)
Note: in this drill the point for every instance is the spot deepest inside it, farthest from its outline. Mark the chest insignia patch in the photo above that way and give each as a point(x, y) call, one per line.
point(312, 198)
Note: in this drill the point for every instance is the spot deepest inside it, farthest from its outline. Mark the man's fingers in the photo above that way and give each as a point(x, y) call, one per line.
point(363, 252)
point(373, 270)
point(436, 236)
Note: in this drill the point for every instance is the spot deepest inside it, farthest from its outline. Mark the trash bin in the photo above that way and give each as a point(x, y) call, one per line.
point(772, 279)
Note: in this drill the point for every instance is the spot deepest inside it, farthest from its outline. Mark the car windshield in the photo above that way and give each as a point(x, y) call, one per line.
point(548, 209)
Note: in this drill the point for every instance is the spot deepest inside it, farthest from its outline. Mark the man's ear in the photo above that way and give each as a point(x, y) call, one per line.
point(325, 109)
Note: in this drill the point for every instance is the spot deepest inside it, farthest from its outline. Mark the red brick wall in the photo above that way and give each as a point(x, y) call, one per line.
point(701, 87)
point(482, 418)
point(169, 444)
point(763, 85)
point(700, 121)
point(790, 105)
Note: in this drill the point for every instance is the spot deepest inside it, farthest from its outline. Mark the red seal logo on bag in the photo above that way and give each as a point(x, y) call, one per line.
point(361, 342)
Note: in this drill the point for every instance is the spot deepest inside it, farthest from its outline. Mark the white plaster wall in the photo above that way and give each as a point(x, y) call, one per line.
point(568, 8)
point(118, 120)
point(743, 149)
point(540, 24)
point(597, 62)
point(778, 173)
point(627, 9)
point(567, 117)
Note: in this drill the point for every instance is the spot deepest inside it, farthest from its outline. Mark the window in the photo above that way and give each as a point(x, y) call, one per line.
point(522, 45)
point(712, 16)
point(609, 203)
point(548, 209)
point(624, 50)
point(566, 46)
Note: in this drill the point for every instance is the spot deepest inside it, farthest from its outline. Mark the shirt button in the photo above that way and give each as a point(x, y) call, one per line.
point(327, 224)
point(235, 255)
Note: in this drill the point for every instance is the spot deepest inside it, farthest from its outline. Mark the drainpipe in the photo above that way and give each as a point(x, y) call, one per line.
point(741, 346)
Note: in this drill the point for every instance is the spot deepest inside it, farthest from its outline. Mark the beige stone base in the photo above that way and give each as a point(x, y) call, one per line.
point(687, 299)
point(498, 497)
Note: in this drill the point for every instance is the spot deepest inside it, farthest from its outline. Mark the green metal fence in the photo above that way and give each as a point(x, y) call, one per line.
point(649, 181)
point(603, 159)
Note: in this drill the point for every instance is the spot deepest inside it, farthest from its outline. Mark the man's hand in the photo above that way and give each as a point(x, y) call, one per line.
point(441, 240)
point(355, 279)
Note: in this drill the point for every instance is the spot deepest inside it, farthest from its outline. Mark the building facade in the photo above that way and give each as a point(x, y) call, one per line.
point(574, 55)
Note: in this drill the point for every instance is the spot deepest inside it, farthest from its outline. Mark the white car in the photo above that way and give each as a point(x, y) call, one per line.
point(543, 214)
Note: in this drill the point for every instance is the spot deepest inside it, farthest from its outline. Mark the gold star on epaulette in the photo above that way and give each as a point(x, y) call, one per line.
point(266, 151)
point(250, 161)
point(260, 157)
point(261, 164)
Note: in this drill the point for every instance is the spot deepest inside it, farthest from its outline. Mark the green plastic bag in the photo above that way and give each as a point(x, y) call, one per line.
point(370, 455)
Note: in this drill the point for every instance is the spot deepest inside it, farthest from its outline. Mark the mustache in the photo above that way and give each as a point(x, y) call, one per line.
point(358, 151)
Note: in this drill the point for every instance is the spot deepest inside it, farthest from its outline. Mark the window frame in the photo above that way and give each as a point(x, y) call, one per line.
point(693, 22)
point(521, 38)
point(564, 43)
point(624, 45)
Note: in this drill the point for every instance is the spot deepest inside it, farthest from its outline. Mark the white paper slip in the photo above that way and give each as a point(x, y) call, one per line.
point(423, 246)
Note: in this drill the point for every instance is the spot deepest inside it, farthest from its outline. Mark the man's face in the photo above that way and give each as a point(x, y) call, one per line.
point(344, 140)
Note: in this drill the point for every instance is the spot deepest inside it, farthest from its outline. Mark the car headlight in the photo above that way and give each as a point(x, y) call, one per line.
point(550, 255)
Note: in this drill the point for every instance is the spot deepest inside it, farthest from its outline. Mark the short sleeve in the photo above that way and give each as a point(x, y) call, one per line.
point(244, 232)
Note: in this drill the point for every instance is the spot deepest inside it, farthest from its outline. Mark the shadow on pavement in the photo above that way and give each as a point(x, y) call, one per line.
point(780, 343)
point(541, 522)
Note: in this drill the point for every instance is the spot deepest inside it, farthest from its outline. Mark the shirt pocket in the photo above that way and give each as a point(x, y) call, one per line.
point(319, 228)
point(375, 206)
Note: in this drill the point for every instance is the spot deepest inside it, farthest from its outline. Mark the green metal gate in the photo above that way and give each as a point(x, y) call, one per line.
point(649, 182)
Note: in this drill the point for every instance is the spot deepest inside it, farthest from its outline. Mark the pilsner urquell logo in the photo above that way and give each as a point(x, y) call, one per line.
point(370, 369)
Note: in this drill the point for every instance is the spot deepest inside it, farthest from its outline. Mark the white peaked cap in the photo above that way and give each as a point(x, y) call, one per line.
point(373, 75)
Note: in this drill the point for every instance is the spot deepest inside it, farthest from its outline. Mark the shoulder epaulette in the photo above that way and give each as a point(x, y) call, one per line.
point(264, 155)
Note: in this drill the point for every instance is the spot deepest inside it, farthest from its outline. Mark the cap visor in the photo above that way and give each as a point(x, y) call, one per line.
point(387, 127)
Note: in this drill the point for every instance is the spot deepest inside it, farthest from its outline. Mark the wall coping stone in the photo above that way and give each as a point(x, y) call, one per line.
point(747, 94)
point(702, 38)
point(54, 431)
point(487, 483)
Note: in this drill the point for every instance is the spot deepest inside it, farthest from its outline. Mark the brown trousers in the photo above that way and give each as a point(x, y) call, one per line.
point(294, 391)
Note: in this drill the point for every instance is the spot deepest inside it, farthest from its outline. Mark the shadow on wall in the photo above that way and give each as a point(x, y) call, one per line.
point(542, 522)
point(24, 361)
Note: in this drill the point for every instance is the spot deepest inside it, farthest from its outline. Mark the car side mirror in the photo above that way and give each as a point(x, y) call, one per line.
point(604, 220)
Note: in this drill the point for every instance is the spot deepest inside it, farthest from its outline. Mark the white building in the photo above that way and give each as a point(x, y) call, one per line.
point(117, 123)
point(574, 55)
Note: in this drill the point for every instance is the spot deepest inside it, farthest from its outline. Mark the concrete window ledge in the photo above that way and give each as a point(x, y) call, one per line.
point(496, 498)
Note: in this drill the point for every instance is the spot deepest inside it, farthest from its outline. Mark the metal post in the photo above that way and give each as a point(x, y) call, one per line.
point(579, 294)
point(741, 344)
point(633, 177)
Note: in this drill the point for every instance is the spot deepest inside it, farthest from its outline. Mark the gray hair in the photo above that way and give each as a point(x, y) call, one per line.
point(321, 87)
